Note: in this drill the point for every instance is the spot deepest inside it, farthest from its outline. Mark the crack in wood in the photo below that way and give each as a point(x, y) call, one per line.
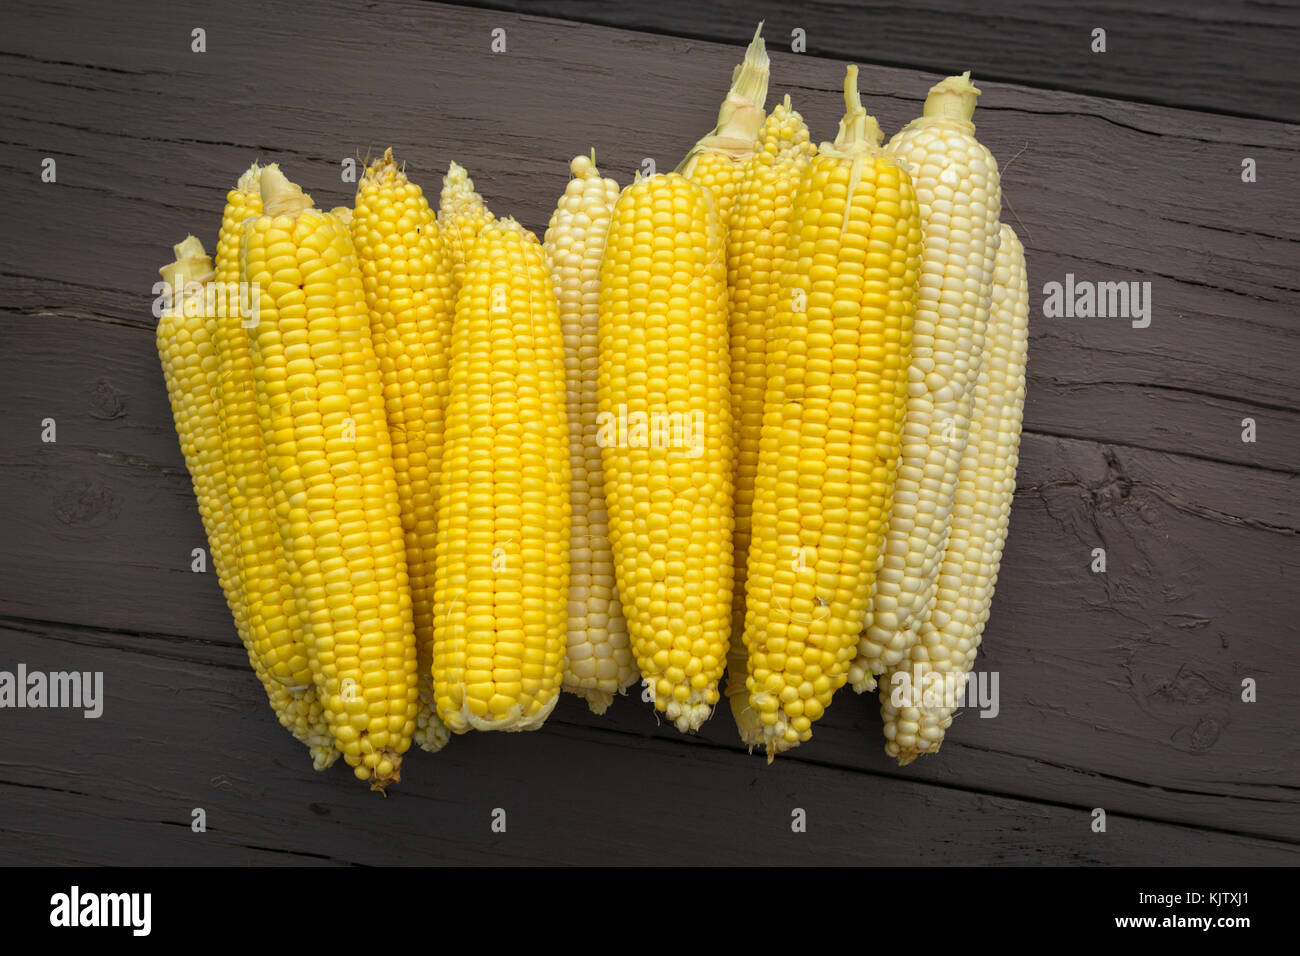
point(81, 66)
point(1097, 492)
point(1173, 453)
point(645, 23)
point(1164, 387)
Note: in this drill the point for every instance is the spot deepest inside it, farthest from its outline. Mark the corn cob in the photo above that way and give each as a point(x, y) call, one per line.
point(273, 617)
point(600, 662)
point(502, 568)
point(330, 466)
point(755, 250)
point(719, 160)
point(461, 215)
point(940, 662)
point(408, 294)
point(275, 626)
point(190, 364)
point(832, 425)
point(667, 445)
point(957, 185)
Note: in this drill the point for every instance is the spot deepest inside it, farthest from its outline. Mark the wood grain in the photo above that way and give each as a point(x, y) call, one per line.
point(1137, 669)
point(1221, 57)
point(123, 788)
point(1119, 690)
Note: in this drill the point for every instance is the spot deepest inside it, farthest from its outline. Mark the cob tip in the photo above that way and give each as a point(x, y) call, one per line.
point(749, 79)
point(280, 197)
point(387, 770)
point(952, 98)
point(597, 701)
point(511, 224)
point(456, 182)
point(748, 724)
point(459, 197)
point(384, 170)
point(192, 264)
point(250, 178)
point(583, 165)
point(858, 132)
point(741, 114)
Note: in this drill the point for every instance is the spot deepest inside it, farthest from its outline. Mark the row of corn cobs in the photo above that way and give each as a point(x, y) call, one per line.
point(759, 414)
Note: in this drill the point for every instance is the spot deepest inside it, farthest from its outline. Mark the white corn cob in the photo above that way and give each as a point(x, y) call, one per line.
point(600, 661)
point(957, 186)
point(942, 659)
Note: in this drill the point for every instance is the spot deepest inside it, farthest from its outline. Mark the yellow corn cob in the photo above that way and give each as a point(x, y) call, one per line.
point(940, 662)
point(330, 465)
point(501, 585)
point(957, 185)
point(600, 662)
point(275, 626)
point(755, 251)
point(461, 215)
point(832, 425)
point(273, 616)
point(408, 293)
point(667, 445)
point(191, 370)
point(719, 160)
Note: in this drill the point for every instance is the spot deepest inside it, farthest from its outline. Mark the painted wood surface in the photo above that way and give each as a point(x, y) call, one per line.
point(1118, 690)
point(1223, 57)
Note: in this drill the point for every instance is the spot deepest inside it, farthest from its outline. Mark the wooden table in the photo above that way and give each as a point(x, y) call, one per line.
point(1119, 690)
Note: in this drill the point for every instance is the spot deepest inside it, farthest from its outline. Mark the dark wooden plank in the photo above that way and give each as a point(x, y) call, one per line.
point(183, 728)
point(1087, 184)
point(1135, 674)
point(115, 437)
point(1223, 57)
point(1118, 691)
point(101, 526)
